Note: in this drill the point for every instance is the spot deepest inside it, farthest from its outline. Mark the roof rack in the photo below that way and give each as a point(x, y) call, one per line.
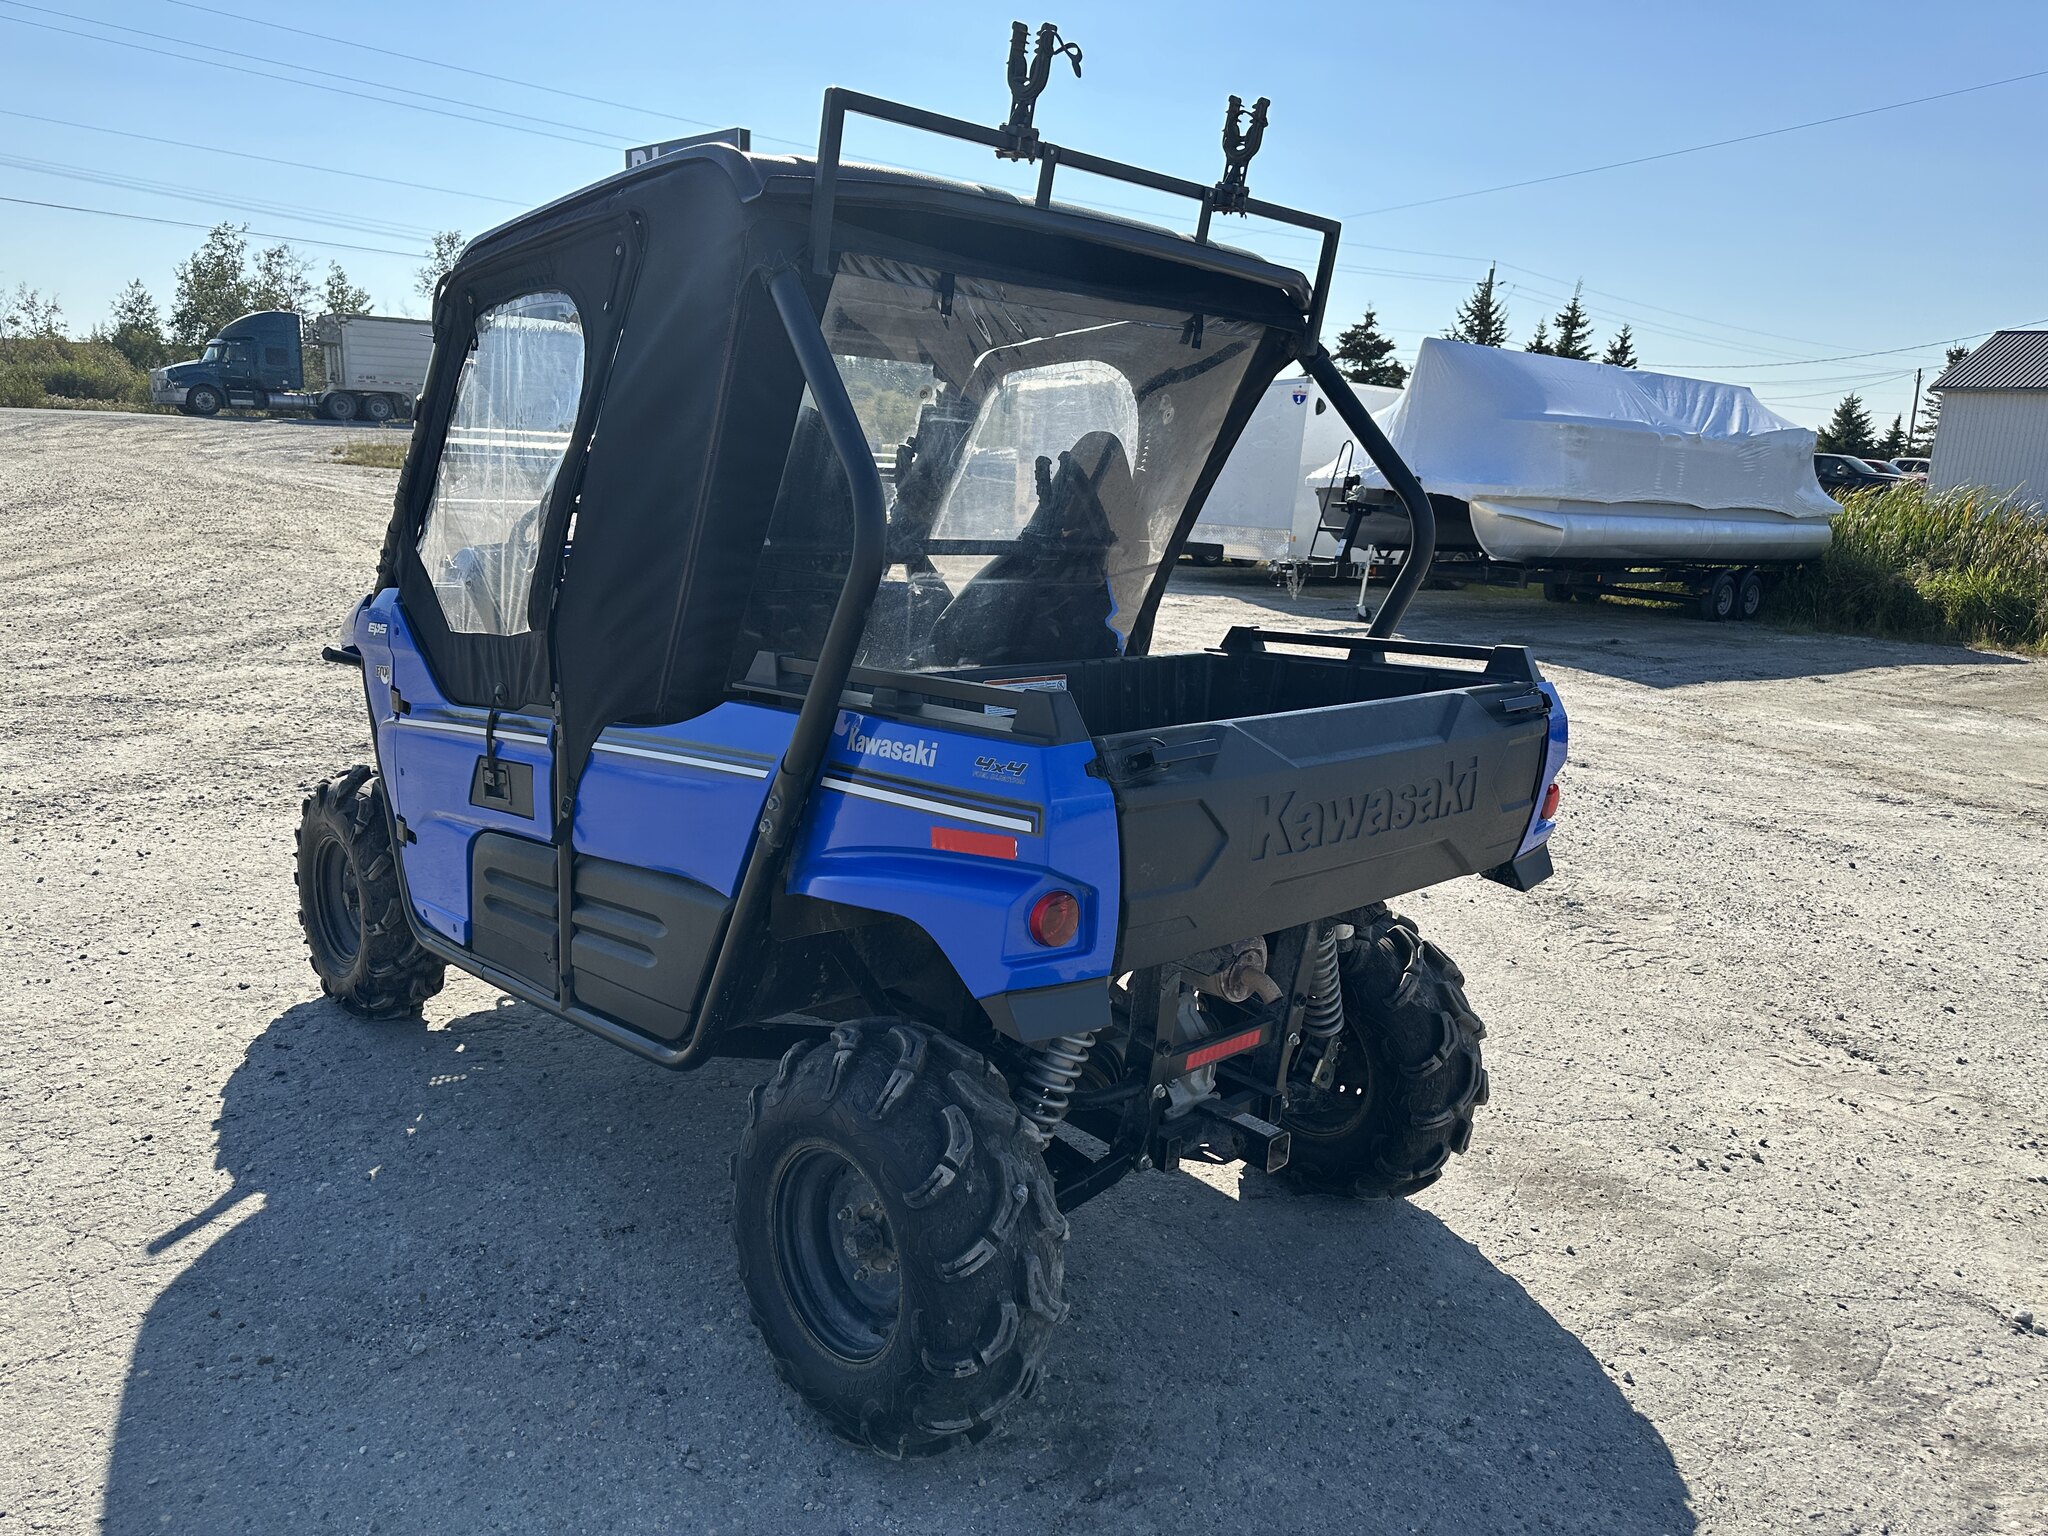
point(1018, 139)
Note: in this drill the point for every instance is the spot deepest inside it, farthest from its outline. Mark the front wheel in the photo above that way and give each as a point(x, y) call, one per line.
point(898, 1236)
point(202, 400)
point(351, 906)
point(1408, 1075)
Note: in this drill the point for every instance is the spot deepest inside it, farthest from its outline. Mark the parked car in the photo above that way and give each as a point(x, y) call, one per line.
point(1839, 474)
point(1915, 469)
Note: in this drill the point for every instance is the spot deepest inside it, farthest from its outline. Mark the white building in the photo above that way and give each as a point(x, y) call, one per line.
point(1994, 418)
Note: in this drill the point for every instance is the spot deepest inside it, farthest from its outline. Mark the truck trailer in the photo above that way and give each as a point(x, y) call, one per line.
point(375, 366)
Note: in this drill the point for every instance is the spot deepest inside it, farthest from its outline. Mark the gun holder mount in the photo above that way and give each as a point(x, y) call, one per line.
point(1239, 145)
point(1028, 82)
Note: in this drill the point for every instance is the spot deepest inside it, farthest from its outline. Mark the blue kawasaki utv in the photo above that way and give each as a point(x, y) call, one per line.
point(760, 666)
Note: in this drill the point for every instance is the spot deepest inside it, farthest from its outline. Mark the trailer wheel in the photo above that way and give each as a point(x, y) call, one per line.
point(898, 1236)
point(202, 400)
point(1749, 594)
point(1718, 601)
point(1586, 595)
point(339, 406)
point(1556, 592)
point(351, 906)
point(1408, 1077)
point(377, 407)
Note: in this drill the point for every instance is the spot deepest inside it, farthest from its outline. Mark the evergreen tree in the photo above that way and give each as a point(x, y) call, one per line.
point(1540, 342)
point(1893, 444)
point(280, 280)
point(1481, 319)
point(339, 296)
point(1930, 408)
point(1848, 430)
point(1621, 351)
point(212, 287)
point(1365, 355)
point(135, 328)
point(1574, 330)
point(441, 254)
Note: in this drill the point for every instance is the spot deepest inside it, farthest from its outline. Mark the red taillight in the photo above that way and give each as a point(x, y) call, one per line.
point(1055, 919)
point(1549, 811)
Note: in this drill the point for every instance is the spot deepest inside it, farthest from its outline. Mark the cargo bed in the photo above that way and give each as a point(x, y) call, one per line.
point(1266, 787)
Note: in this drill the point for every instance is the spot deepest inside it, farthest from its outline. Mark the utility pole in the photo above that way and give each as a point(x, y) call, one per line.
point(1913, 421)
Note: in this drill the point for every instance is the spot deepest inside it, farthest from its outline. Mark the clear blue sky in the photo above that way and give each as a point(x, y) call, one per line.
point(1888, 231)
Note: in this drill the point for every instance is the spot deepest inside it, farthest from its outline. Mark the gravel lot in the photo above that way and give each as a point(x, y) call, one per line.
point(1751, 1238)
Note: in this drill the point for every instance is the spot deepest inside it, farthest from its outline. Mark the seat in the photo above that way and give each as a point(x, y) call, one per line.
point(1049, 599)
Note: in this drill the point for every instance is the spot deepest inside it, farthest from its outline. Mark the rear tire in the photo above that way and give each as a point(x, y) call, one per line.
point(378, 408)
point(1556, 592)
point(351, 907)
point(1749, 595)
point(1409, 1076)
point(898, 1236)
point(339, 406)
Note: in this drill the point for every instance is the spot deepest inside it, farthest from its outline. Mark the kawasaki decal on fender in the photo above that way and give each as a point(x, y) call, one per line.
point(1290, 824)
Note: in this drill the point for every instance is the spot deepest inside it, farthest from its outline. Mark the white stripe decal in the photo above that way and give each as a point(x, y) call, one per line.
point(936, 807)
point(471, 730)
point(744, 770)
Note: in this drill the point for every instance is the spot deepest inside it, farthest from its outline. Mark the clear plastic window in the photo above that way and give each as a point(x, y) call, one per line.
point(1037, 448)
point(515, 410)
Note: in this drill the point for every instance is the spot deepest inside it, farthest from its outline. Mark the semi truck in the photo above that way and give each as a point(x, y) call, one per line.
point(374, 367)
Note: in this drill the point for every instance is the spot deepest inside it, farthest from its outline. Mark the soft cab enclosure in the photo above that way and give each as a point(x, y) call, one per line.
point(951, 470)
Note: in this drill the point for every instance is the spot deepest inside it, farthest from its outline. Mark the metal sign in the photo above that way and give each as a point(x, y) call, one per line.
point(739, 138)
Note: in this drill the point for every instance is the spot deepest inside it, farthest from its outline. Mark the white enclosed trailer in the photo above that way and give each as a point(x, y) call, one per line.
point(1264, 505)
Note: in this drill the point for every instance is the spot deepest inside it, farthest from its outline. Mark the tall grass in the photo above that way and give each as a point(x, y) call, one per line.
point(1958, 565)
point(48, 370)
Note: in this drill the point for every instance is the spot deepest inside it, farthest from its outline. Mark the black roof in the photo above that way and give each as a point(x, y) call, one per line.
point(2007, 360)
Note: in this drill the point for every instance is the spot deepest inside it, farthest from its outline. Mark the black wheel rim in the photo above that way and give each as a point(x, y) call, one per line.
point(837, 1253)
point(1327, 1114)
point(338, 903)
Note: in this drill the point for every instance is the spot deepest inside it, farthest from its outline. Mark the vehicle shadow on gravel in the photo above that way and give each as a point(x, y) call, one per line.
point(1654, 646)
point(479, 1277)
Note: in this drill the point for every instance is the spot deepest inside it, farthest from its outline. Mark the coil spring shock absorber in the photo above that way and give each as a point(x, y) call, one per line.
point(1322, 1019)
point(1050, 1079)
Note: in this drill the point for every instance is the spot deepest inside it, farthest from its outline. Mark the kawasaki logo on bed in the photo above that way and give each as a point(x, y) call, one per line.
point(1293, 824)
point(922, 753)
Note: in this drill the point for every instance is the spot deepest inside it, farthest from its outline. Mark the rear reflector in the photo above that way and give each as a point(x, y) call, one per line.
point(1201, 1056)
point(1550, 797)
point(989, 845)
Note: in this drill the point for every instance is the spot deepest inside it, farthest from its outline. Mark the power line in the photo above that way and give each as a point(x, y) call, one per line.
point(109, 178)
point(260, 58)
point(310, 85)
point(261, 234)
point(242, 154)
point(481, 74)
point(1694, 149)
point(1925, 346)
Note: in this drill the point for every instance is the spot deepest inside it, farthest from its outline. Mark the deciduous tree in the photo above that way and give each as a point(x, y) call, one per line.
point(212, 286)
point(441, 254)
